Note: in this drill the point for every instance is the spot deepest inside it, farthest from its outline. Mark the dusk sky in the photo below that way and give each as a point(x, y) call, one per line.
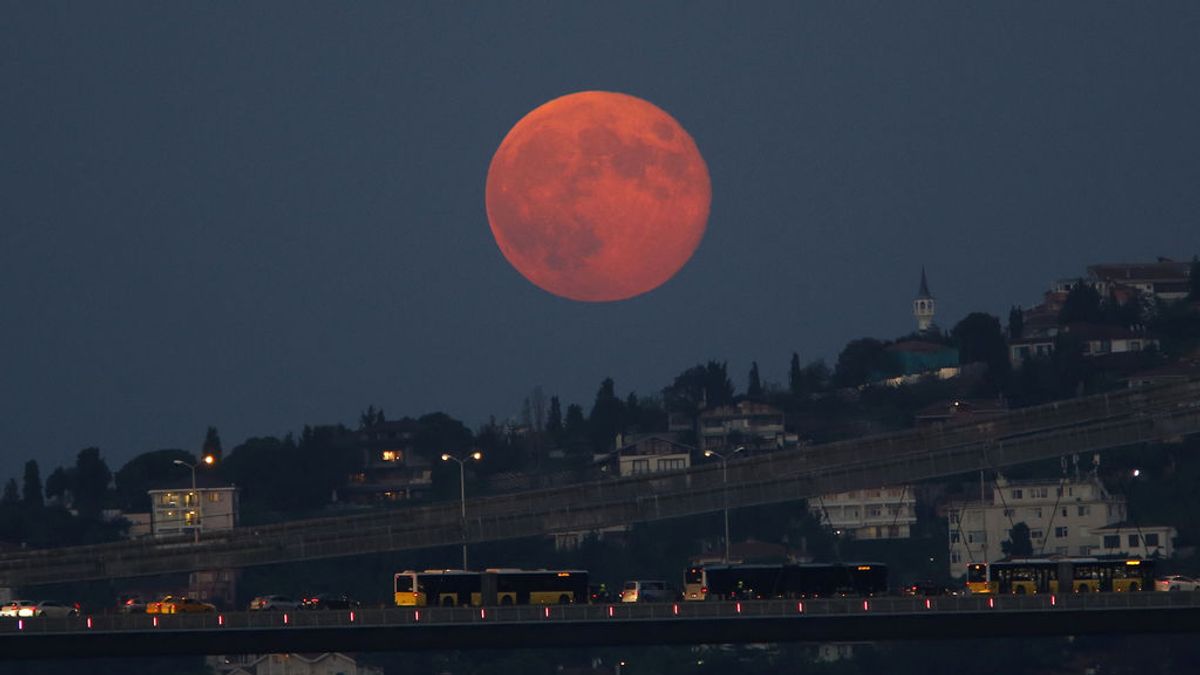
point(262, 215)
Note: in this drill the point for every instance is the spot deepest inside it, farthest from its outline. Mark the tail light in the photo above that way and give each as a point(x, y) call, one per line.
point(77, 606)
point(704, 590)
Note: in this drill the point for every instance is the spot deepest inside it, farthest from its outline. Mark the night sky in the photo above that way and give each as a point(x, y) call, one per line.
point(263, 215)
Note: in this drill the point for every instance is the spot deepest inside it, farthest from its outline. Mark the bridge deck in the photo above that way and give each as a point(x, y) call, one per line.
point(399, 629)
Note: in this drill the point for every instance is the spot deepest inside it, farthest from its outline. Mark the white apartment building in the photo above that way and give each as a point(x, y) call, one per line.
point(177, 511)
point(1065, 517)
point(880, 513)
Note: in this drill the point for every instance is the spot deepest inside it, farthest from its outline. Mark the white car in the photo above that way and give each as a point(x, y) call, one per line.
point(1176, 582)
point(28, 608)
point(265, 603)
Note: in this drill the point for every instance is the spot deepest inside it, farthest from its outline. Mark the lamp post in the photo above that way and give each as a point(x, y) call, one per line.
point(462, 492)
point(724, 457)
point(208, 460)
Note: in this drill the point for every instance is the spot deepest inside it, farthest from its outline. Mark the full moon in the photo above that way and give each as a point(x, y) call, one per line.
point(598, 196)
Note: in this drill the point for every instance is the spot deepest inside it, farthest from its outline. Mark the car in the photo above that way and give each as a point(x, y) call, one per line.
point(328, 601)
point(27, 608)
point(266, 603)
point(646, 591)
point(176, 604)
point(1176, 582)
point(131, 604)
point(926, 588)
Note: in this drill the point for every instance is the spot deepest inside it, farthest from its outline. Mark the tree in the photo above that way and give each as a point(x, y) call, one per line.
point(860, 361)
point(1018, 544)
point(754, 389)
point(212, 444)
point(91, 482)
point(979, 338)
point(575, 428)
point(1016, 323)
point(58, 483)
point(705, 385)
point(554, 421)
point(795, 376)
point(606, 419)
point(32, 495)
point(370, 418)
point(11, 493)
point(1081, 306)
point(146, 472)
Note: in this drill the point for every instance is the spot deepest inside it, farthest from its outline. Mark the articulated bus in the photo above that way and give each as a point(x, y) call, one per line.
point(1061, 575)
point(453, 588)
point(745, 582)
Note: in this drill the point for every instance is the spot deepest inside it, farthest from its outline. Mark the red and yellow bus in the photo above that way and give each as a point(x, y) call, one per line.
point(455, 588)
point(1030, 576)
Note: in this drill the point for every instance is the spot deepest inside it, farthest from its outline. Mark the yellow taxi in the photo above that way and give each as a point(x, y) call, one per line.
point(174, 604)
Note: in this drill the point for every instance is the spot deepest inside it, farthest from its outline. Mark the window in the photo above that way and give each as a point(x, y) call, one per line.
point(670, 464)
point(1039, 493)
point(1037, 512)
point(1060, 532)
point(955, 557)
point(953, 537)
point(1112, 541)
point(1085, 510)
point(1016, 494)
point(1085, 550)
point(1133, 540)
point(640, 466)
point(1064, 512)
point(213, 497)
point(391, 455)
point(1151, 539)
point(1036, 534)
point(874, 511)
point(1008, 513)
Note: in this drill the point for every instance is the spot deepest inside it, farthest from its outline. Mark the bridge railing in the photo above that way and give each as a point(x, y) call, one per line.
point(618, 612)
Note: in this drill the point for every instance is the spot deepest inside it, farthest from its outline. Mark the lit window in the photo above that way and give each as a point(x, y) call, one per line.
point(391, 455)
point(213, 497)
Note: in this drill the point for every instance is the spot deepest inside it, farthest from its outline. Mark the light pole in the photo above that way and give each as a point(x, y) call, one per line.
point(462, 491)
point(725, 486)
point(208, 460)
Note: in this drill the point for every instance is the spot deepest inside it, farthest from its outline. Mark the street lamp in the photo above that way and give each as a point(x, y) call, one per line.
point(462, 491)
point(725, 486)
point(207, 461)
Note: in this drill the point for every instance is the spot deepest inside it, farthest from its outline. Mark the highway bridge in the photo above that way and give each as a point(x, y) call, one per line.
point(440, 628)
point(1076, 426)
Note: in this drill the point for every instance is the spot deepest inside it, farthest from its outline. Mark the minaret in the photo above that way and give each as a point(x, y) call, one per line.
point(923, 305)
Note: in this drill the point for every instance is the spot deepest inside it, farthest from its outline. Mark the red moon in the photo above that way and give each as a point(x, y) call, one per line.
point(598, 196)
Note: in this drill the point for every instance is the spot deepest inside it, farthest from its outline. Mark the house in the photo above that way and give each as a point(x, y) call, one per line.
point(1131, 539)
point(879, 513)
point(749, 424)
point(335, 663)
point(388, 469)
point(1067, 517)
point(178, 509)
point(1165, 279)
point(650, 454)
point(1096, 340)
